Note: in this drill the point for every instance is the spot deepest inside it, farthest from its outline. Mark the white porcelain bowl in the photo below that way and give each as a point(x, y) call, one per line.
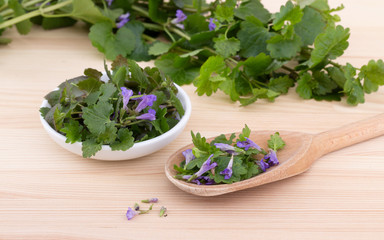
point(138, 149)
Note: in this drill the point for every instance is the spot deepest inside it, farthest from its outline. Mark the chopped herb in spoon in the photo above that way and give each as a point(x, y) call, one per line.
point(227, 160)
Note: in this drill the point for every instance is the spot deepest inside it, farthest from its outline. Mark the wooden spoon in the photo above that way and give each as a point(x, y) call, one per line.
point(300, 152)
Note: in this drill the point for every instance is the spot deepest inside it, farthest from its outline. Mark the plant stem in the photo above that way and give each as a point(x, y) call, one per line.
point(153, 26)
point(140, 10)
point(34, 14)
point(290, 70)
point(180, 33)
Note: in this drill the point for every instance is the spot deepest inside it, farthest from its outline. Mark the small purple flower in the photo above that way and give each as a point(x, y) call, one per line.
point(180, 17)
point(127, 94)
point(146, 101)
point(151, 115)
point(211, 25)
point(228, 171)
point(263, 165)
point(225, 147)
point(130, 213)
point(196, 180)
point(206, 167)
point(122, 20)
point(109, 2)
point(188, 155)
point(271, 158)
point(208, 180)
point(248, 144)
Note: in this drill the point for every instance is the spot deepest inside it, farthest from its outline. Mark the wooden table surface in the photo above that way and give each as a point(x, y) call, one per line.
point(49, 193)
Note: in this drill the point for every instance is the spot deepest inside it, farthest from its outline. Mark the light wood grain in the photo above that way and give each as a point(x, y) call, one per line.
point(48, 193)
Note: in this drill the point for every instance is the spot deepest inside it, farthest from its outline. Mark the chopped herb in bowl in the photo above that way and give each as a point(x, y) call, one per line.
point(227, 160)
point(117, 109)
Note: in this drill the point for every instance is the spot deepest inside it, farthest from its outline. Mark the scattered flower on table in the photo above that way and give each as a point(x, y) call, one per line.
point(163, 212)
point(131, 213)
point(150, 200)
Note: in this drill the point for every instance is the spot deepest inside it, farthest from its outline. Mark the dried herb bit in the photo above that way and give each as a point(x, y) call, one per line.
point(227, 160)
point(127, 105)
point(150, 200)
point(163, 212)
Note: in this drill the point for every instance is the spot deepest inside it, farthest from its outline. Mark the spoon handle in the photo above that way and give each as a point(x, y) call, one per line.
point(350, 134)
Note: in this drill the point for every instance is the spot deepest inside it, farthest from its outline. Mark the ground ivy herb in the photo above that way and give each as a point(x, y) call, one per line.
point(134, 105)
point(239, 48)
point(227, 160)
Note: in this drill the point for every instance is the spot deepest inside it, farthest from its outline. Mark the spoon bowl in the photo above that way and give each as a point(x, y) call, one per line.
point(299, 153)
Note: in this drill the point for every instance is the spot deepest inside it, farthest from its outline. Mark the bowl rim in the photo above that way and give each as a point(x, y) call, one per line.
point(183, 97)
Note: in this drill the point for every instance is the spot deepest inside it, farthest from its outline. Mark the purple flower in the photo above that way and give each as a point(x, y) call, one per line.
point(127, 94)
point(122, 20)
point(151, 115)
point(225, 147)
point(196, 180)
point(271, 158)
point(248, 144)
point(188, 155)
point(130, 213)
point(263, 165)
point(211, 25)
point(208, 180)
point(146, 101)
point(228, 171)
point(206, 167)
point(180, 17)
point(109, 2)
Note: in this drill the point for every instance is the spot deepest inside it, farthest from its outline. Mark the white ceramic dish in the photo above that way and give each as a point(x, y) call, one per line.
point(138, 149)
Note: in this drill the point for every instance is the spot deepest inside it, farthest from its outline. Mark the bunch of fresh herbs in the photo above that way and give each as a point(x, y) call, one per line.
point(227, 160)
point(240, 48)
point(133, 105)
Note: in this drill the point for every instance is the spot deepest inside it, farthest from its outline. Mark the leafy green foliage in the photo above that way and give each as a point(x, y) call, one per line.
point(22, 27)
point(226, 47)
point(88, 110)
point(229, 167)
point(288, 13)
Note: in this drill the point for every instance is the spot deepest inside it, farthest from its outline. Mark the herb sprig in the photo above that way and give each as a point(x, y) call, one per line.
point(132, 105)
point(227, 160)
point(239, 48)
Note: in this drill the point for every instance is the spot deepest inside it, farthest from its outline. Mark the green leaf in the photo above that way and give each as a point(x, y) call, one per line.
point(155, 11)
point(176, 102)
point(214, 65)
point(304, 88)
point(337, 75)
point(373, 75)
point(245, 133)
point(228, 86)
point(256, 66)
point(92, 98)
point(180, 69)
point(72, 131)
point(87, 11)
point(259, 93)
point(107, 90)
point(43, 111)
point(195, 23)
point(311, 25)
point(201, 142)
point(352, 86)
point(140, 51)
point(329, 44)
point(224, 13)
point(90, 147)
point(125, 140)
point(282, 48)
point(22, 27)
point(253, 37)
point(281, 84)
point(96, 117)
point(109, 135)
point(237, 169)
point(324, 85)
point(226, 47)
point(253, 8)
point(112, 45)
point(290, 13)
point(58, 117)
point(202, 38)
point(276, 142)
point(54, 23)
point(119, 77)
point(138, 74)
point(159, 48)
point(223, 139)
point(90, 85)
